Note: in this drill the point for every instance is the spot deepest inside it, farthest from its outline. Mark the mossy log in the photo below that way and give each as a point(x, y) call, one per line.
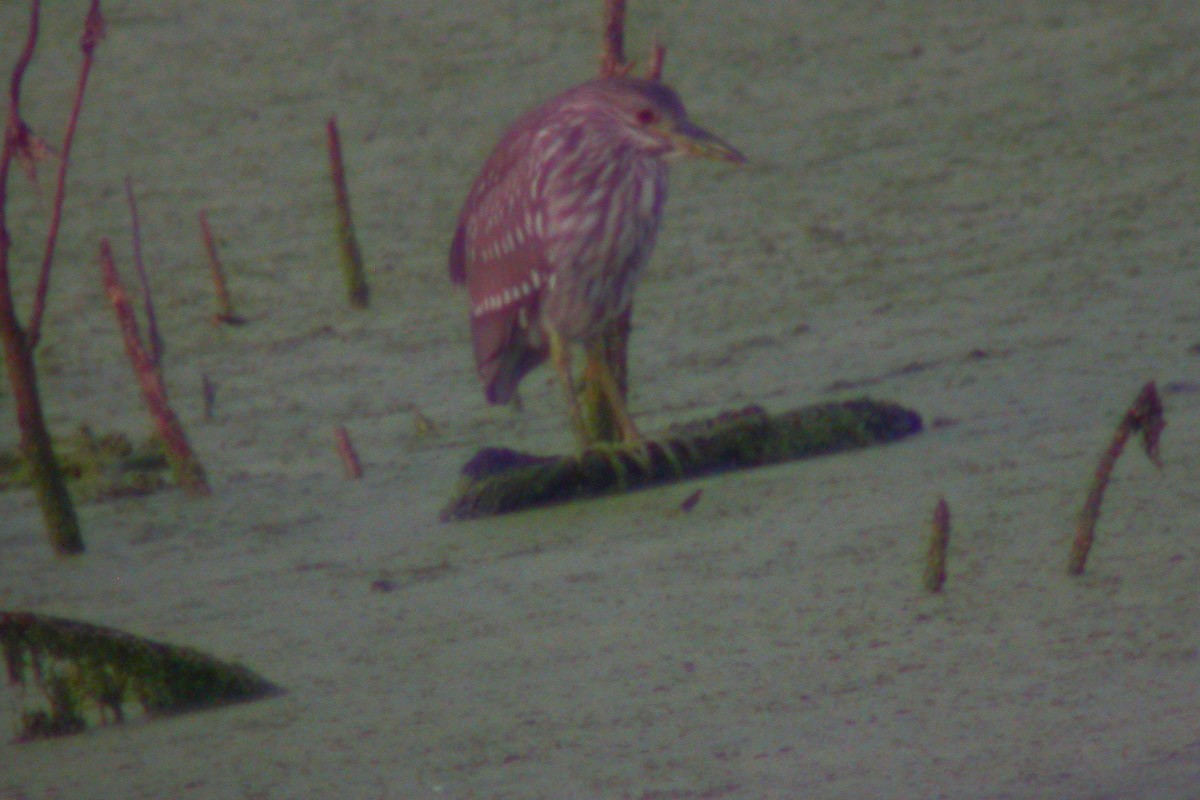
point(497, 481)
point(82, 669)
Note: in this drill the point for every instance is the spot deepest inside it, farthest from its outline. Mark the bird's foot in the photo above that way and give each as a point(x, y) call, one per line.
point(649, 460)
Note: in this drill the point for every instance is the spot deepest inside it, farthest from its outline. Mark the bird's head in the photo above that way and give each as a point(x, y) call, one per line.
point(651, 115)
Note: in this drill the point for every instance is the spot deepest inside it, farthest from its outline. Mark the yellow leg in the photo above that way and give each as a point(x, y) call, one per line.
point(630, 441)
point(598, 374)
point(560, 355)
point(598, 369)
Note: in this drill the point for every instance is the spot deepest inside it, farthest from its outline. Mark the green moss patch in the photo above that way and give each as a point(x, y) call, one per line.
point(81, 672)
point(98, 466)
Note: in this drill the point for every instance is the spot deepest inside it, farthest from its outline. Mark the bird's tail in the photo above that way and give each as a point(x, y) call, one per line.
point(502, 374)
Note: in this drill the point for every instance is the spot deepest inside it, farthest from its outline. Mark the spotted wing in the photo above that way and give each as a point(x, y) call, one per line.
point(498, 253)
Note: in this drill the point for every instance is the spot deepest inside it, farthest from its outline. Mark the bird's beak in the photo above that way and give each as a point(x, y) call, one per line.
point(692, 140)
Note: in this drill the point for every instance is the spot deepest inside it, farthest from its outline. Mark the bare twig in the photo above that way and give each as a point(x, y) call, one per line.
point(139, 266)
point(19, 141)
point(189, 473)
point(352, 261)
point(347, 453)
point(612, 54)
point(658, 54)
point(1144, 416)
point(225, 313)
point(939, 539)
point(93, 32)
point(612, 58)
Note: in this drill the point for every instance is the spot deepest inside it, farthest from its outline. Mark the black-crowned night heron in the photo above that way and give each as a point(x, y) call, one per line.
point(559, 225)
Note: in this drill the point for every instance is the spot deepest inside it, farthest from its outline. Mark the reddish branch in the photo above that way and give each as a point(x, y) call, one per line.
point(612, 58)
point(189, 473)
point(225, 313)
point(347, 453)
point(19, 143)
point(658, 54)
point(139, 266)
point(1145, 416)
point(93, 33)
point(612, 61)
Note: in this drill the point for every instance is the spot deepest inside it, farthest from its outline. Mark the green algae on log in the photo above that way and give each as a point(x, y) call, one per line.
point(78, 667)
point(497, 481)
point(98, 465)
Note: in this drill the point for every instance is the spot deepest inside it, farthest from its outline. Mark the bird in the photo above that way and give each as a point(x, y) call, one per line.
point(560, 223)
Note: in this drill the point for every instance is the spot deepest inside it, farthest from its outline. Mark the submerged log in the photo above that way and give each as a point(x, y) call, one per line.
point(84, 670)
point(497, 480)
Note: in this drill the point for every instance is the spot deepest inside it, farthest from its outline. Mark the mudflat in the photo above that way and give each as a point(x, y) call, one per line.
point(986, 212)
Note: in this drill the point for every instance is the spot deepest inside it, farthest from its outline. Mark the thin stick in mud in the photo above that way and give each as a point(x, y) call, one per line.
point(939, 540)
point(351, 256)
point(188, 471)
point(225, 314)
point(1145, 416)
point(347, 453)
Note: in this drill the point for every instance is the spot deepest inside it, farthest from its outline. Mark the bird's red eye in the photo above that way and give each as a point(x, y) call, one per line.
point(647, 116)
